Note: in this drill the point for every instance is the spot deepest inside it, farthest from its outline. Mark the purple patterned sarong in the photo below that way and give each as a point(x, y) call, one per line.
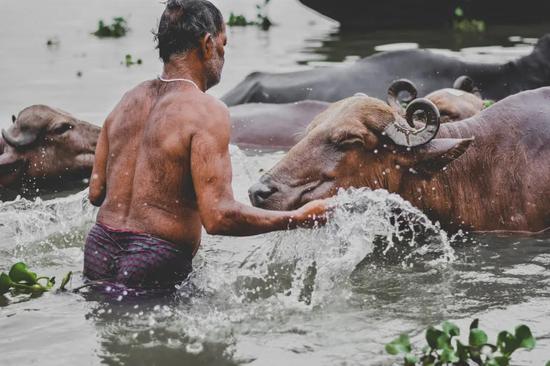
point(134, 260)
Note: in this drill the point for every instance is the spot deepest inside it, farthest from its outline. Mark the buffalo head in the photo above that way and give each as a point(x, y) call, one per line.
point(45, 144)
point(357, 142)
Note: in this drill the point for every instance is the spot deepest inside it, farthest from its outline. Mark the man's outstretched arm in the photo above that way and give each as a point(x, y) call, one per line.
point(98, 185)
point(220, 213)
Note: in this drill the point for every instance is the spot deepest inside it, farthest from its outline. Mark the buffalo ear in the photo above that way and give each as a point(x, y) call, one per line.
point(13, 118)
point(435, 155)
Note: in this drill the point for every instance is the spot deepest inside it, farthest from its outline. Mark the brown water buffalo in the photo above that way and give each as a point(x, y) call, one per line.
point(45, 150)
point(489, 172)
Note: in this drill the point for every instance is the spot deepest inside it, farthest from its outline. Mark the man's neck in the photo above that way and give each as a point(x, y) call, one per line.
point(182, 68)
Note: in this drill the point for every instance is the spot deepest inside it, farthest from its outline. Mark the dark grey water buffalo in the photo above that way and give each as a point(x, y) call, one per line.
point(429, 71)
point(489, 172)
point(45, 150)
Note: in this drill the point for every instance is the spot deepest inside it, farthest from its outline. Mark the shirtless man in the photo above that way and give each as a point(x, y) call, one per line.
point(162, 167)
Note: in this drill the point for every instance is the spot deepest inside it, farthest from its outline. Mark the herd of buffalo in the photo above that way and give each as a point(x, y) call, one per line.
point(413, 122)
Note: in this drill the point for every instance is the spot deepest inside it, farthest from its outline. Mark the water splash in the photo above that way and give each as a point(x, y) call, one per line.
point(45, 232)
point(297, 272)
point(365, 224)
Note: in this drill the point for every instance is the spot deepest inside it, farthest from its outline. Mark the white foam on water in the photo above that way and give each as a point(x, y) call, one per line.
point(23, 221)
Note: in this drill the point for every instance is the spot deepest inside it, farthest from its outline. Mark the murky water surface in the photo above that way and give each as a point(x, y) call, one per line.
point(332, 296)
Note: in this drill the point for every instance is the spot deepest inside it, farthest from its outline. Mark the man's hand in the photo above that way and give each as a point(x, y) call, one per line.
point(312, 214)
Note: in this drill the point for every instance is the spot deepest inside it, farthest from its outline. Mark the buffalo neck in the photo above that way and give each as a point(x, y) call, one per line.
point(468, 193)
point(535, 67)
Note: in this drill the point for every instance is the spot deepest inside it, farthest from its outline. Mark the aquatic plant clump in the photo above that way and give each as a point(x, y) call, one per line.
point(21, 280)
point(262, 19)
point(462, 24)
point(445, 348)
point(129, 61)
point(117, 29)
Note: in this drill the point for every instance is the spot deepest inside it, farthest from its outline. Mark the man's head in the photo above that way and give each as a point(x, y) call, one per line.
point(193, 26)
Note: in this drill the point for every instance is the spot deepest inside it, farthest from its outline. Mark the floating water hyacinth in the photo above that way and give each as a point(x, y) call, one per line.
point(117, 29)
point(21, 280)
point(445, 348)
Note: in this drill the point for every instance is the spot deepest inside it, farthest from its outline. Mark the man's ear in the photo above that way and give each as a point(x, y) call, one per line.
point(207, 46)
point(435, 155)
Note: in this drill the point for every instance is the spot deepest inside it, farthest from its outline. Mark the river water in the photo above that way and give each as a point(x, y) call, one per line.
point(330, 296)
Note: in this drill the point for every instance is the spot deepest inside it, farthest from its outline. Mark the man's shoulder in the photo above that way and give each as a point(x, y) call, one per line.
point(199, 106)
point(138, 90)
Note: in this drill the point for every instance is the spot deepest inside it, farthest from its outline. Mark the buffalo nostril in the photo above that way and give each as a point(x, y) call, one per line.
point(260, 192)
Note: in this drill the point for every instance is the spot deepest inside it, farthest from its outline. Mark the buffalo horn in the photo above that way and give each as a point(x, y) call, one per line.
point(397, 87)
point(23, 140)
point(464, 83)
point(405, 136)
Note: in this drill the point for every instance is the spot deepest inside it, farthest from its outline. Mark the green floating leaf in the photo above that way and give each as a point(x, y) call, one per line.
point(448, 356)
point(437, 339)
point(399, 345)
point(507, 343)
point(462, 351)
point(459, 12)
point(477, 337)
point(451, 329)
point(525, 338)
point(65, 281)
point(499, 361)
point(410, 359)
point(547, 364)
point(19, 272)
point(38, 289)
point(5, 283)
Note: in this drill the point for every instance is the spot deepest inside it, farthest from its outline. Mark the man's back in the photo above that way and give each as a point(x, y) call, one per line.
point(148, 176)
point(162, 167)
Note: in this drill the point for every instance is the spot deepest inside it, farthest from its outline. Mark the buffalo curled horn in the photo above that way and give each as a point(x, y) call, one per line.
point(397, 87)
point(465, 83)
point(23, 140)
point(406, 136)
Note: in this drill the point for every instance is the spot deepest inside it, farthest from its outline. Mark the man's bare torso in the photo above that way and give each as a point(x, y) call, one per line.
point(149, 186)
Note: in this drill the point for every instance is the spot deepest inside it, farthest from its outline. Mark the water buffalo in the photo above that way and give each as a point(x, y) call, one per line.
point(489, 172)
point(429, 71)
point(47, 150)
point(44, 151)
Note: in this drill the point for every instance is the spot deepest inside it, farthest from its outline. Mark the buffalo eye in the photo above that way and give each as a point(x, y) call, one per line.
point(62, 128)
point(350, 141)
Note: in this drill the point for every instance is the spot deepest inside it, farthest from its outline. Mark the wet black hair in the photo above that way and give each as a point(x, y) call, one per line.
point(183, 23)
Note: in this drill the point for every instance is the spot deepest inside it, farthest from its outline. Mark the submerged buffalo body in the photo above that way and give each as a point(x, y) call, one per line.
point(428, 70)
point(488, 172)
point(272, 126)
